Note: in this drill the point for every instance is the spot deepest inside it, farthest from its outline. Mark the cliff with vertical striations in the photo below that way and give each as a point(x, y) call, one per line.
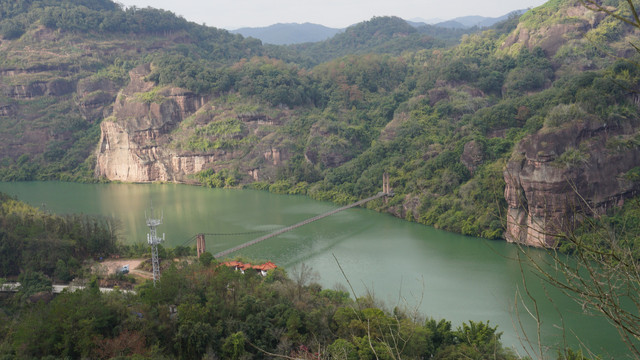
point(147, 139)
point(557, 176)
point(130, 147)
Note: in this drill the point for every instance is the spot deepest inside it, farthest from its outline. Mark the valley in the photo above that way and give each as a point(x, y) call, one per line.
point(443, 122)
point(524, 132)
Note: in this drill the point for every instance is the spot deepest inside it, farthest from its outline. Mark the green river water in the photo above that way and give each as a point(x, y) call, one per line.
point(444, 275)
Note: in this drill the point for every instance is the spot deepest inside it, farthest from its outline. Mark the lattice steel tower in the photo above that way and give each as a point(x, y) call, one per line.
point(154, 240)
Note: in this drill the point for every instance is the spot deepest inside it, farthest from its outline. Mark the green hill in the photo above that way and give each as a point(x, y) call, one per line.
point(388, 35)
point(519, 132)
point(198, 104)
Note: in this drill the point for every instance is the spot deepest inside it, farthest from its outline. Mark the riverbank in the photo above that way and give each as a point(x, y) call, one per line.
point(442, 274)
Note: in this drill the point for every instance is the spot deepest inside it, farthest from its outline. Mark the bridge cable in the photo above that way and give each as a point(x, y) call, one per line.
point(227, 234)
point(242, 233)
point(285, 227)
point(189, 240)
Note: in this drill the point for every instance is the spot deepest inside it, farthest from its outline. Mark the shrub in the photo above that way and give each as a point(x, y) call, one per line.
point(564, 114)
point(12, 29)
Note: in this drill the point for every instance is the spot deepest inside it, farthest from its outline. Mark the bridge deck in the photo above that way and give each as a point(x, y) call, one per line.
point(289, 228)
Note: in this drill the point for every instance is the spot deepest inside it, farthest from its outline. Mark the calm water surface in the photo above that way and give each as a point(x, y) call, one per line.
point(442, 274)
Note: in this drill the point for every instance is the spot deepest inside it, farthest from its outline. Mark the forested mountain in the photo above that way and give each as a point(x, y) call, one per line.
point(165, 99)
point(517, 132)
point(390, 35)
point(287, 34)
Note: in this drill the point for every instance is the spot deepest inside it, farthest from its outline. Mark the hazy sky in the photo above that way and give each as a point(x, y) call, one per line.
point(233, 14)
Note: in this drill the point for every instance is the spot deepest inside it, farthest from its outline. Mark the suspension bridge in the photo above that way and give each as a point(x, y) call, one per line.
point(200, 245)
point(295, 226)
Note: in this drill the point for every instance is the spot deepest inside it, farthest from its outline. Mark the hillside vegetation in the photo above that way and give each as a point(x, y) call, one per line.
point(197, 309)
point(221, 313)
point(36, 241)
point(553, 91)
point(380, 97)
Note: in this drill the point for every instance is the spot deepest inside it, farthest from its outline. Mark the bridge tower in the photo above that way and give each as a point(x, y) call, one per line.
point(154, 241)
point(200, 245)
point(386, 188)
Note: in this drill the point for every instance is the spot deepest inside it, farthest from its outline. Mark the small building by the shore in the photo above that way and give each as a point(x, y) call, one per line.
point(262, 269)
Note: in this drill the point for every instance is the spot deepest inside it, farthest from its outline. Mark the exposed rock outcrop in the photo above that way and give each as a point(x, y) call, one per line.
point(147, 139)
point(95, 96)
point(406, 209)
point(550, 37)
point(557, 176)
point(57, 87)
point(472, 155)
point(131, 148)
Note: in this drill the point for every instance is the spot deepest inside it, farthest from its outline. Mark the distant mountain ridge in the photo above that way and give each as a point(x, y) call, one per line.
point(291, 33)
point(295, 33)
point(465, 22)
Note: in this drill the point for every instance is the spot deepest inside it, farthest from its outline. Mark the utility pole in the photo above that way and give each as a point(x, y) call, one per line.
point(154, 240)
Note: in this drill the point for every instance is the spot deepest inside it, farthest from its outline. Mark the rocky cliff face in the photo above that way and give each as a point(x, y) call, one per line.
point(557, 176)
point(130, 147)
point(553, 34)
point(57, 87)
point(26, 99)
point(95, 98)
point(147, 138)
point(51, 96)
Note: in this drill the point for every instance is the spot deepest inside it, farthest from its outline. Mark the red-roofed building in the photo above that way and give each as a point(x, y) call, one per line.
point(261, 269)
point(233, 264)
point(270, 266)
point(245, 267)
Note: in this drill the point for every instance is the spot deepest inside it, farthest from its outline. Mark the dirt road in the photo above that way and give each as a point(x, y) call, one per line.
point(109, 266)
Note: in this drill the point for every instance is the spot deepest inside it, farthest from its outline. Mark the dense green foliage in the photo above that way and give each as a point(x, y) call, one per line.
point(36, 241)
point(377, 98)
point(108, 17)
point(619, 227)
point(390, 35)
point(223, 313)
point(359, 116)
point(381, 97)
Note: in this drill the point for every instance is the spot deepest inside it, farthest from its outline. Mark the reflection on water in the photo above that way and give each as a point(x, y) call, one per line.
point(445, 275)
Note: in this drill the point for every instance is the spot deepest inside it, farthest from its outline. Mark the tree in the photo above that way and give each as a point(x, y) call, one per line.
point(631, 17)
point(192, 338)
point(602, 275)
point(32, 282)
point(12, 29)
point(62, 272)
point(233, 347)
point(206, 258)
